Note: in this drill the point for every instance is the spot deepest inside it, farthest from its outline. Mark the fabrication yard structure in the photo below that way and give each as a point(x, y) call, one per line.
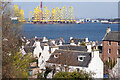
point(43, 15)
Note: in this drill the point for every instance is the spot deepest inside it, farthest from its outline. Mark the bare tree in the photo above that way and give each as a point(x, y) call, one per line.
point(13, 64)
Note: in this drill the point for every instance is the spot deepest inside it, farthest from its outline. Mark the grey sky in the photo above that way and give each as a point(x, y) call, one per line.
point(81, 9)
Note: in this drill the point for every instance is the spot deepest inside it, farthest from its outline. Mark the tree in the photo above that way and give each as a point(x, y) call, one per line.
point(83, 43)
point(14, 64)
point(75, 75)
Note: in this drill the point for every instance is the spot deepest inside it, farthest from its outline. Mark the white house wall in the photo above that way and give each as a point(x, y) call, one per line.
point(37, 49)
point(96, 65)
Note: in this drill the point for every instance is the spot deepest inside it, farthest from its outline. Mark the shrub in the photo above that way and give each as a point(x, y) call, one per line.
point(74, 75)
point(83, 43)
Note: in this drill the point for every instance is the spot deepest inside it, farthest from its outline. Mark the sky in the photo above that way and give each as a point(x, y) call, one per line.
point(81, 9)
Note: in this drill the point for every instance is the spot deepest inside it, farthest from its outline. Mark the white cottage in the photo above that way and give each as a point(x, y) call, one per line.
point(77, 60)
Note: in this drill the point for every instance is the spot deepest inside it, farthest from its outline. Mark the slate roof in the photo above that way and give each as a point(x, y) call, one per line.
point(77, 40)
point(74, 48)
point(29, 49)
point(58, 40)
point(112, 36)
point(70, 58)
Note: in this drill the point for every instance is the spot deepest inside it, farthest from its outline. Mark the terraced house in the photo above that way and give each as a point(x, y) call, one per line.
point(111, 45)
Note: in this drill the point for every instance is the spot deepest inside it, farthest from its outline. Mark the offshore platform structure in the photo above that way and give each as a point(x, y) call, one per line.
point(56, 15)
point(18, 13)
point(71, 14)
point(30, 15)
point(37, 14)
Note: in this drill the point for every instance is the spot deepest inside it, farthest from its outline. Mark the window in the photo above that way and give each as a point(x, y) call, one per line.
point(77, 69)
point(118, 43)
point(109, 43)
point(81, 58)
point(55, 56)
point(109, 51)
point(118, 52)
point(109, 59)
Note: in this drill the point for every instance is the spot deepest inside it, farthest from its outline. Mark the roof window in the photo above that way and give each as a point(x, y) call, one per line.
point(81, 58)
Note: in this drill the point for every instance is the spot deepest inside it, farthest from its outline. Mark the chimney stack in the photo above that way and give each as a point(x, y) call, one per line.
point(60, 42)
point(44, 39)
point(72, 42)
point(89, 47)
point(86, 39)
point(71, 38)
point(108, 29)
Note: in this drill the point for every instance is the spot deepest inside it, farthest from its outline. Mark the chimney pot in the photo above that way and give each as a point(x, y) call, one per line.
point(108, 29)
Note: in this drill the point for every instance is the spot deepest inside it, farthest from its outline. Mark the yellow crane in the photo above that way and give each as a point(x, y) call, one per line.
point(71, 14)
point(57, 14)
point(64, 12)
point(44, 12)
point(21, 17)
point(30, 15)
point(53, 15)
point(16, 11)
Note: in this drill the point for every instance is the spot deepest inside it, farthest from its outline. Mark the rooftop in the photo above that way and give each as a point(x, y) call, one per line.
point(70, 58)
point(77, 40)
point(74, 48)
point(112, 36)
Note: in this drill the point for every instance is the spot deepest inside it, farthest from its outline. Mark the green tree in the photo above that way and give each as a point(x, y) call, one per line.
point(114, 62)
point(83, 43)
point(62, 75)
point(75, 75)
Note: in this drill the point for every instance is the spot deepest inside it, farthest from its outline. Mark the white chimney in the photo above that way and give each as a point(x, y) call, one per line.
point(37, 49)
point(60, 42)
point(53, 41)
point(24, 37)
point(79, 43)
point(86, 40)
point(71, 38)
point(93, 43)
point(46, 47)
point(89, 47)
point(95, 54)
point(96, 47)
point(35, 37)
point(45, 39)
point(72, 42)
point(108, 30)
point(22, 47)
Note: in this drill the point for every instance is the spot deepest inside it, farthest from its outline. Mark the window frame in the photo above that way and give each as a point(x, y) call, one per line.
point(109, 51)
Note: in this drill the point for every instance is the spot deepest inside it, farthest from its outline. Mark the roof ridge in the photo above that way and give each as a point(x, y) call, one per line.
point(115, 31)
point(72, 51)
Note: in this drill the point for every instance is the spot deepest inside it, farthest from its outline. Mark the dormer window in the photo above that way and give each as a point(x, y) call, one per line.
point(81, 58)
point(55, 56)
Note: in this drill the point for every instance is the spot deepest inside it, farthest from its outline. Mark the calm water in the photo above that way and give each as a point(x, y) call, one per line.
point(94, 31)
